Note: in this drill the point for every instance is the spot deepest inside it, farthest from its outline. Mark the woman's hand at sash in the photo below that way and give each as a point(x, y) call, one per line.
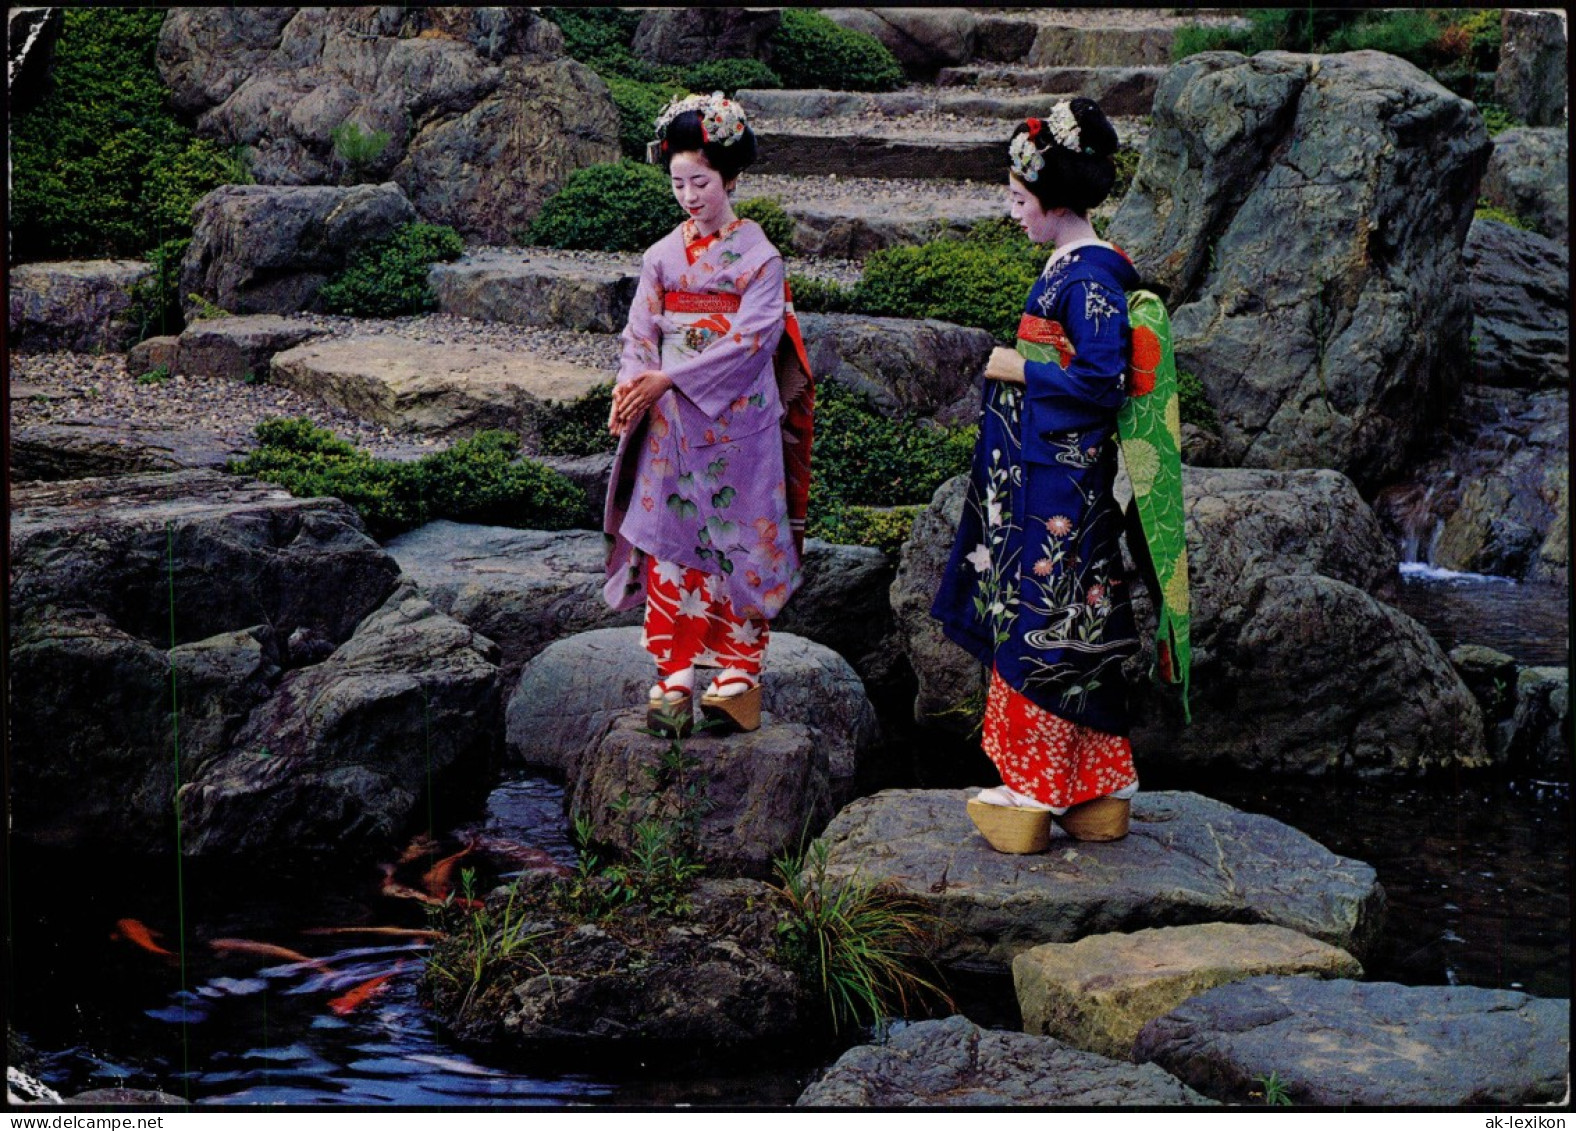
point(632, 401)
point(1005, 365)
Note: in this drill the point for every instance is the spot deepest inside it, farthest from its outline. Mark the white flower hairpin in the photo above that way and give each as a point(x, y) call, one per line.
point(722, 120)
point(1026, 152)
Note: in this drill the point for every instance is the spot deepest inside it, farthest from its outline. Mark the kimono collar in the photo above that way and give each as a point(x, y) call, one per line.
point(695, 244)
point(1068, 248)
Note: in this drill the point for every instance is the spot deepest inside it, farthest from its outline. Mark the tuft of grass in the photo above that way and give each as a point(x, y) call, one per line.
point(1193, 402)
point(486, 943)
point(856, 945)
point(155, 376)
point(1487, 210)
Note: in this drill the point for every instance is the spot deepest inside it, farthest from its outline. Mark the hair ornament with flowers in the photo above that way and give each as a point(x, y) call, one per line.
point(722, 119)
point(1028, 156)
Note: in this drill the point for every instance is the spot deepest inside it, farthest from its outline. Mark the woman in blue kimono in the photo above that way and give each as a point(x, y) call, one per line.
point(1035, 586)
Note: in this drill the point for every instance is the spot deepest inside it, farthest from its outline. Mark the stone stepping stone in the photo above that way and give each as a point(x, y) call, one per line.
point(432, 388)
point(77, 304)
point(570, 694)
point(907, 367)
point(845, 217)
point(80, 451)
point(1188, 859)
point(537, 287)
point(1366, 1044)
point(955, 1063)
point(1098, 992)
point(756, 795)
point(239, 348)
point(522, 589)
point(893, 148)
point(1120, 91)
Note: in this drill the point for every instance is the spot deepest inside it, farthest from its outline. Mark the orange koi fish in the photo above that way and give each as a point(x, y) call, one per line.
point(439, 879)
point(261, 950)
point(360, 994)
point(134, 931)
point(396, 890)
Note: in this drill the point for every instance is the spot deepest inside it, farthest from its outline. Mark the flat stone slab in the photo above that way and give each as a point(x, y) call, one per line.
point(575, 689)
point(799, 147)
point(522, 589)
point(1098, 992)
point(1366, 1044)
point(536, 287)
point(955, 1063)
point(431, 388)
point(1187, 859)
point(1118, 90)
point(82, 451)
point(238, 348)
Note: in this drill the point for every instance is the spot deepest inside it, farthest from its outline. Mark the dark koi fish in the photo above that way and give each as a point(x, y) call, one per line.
point(388, 932)
point(133, 931)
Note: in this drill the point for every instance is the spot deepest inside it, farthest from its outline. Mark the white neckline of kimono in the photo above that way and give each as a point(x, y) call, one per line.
point(1068, 249)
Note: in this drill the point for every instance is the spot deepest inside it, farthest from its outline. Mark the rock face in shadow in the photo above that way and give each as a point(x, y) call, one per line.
point(1521, 298)
point(267, 249)
point(1340, 1043)
point(1529, 175)
point(83, 451)
point(261, 640)
point(695, 35)
point(82, 304)
point(485, 116)
point(905, 366)
point(1530, 81)
point(1187, 859)
point(1306, 215)
point(955, 1063)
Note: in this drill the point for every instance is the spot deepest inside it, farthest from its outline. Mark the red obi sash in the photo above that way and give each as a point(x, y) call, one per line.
point(1043, 332)
point(700, 302)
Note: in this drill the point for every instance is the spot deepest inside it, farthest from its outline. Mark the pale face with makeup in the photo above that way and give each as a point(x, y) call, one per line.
point(1036, 222)
point(701, 191)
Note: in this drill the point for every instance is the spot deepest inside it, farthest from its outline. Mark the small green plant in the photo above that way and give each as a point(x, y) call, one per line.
point(820, 296)
point(869, 458)
point(1497, 119)
point(1193, 402)
point(971, 282)
point(855, 945)
point(481, 479)
point(1273, 1090)
point(812, 51)
point(156, 299)
point(885, 528)
point(579, 427)
point(1487, 210)
point(613, 207)
point(601, 38)
point(357, 149)
point(155, 376)
point(1126, 162)
point(203, 310)
point(638, 104)
point(388, 277)
point(485, 942)
point(767, 211)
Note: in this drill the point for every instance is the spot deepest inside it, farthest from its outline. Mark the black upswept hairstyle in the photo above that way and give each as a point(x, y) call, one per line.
point(1076, 181)
point(684, 135)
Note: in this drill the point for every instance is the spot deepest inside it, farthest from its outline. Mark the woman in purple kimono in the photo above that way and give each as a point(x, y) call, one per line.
point(705, 506)
point(1035, 587)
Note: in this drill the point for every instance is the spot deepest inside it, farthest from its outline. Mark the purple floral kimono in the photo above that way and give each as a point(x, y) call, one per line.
point(699, 481)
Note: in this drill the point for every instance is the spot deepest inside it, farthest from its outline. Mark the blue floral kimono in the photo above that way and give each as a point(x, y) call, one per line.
point(1035, 585)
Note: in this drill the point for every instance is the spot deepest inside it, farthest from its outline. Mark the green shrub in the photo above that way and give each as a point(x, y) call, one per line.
point(727, 75)
point(1496, 119)
point(357, 149)
point(476, 480)
point(1126, 161)
point(862, 456)
point(1486, 210)
point(579, 428)
point(389, 277)
point(820, 296)
point(885, 528)
point(768, 213)
point(812, 51)
point(638, 105)
point(600, 38)
point(972, 283)
point(1193, 403)
point(100, 166)
point(615, 207)
point(156, 300)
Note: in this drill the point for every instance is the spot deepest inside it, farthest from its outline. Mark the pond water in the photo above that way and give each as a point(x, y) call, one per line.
point(1476, 867)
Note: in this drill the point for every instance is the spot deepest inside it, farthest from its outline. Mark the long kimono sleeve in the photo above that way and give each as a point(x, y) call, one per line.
point(735, 365)
point(1095, 320)
point(642, 338)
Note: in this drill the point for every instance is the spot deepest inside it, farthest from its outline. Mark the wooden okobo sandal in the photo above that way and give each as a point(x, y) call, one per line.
point(670, 717)
point(1017, 830)
point(739, 712)
point(1104, 818)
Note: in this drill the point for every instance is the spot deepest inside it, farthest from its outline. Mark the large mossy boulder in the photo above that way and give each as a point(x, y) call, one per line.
point(81, 304)
point(1529, 176)
point(1305, 216)
point(485, 116)
point(195, 630)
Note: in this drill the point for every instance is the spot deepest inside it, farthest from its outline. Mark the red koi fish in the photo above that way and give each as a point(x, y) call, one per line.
point(133, 931)
point(359, 995)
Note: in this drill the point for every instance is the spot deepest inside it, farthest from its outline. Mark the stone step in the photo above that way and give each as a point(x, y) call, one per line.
point(1118, 90)
point(851, 217)
point(1000, 94)
point(571, 290)
point(437, 389)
